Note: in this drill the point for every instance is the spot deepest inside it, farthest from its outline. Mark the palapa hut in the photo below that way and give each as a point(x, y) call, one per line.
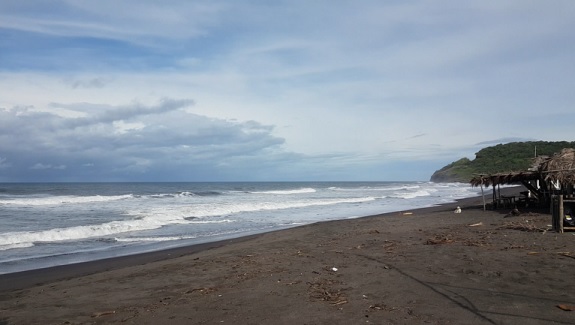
point(559, 172)
point(560, 169)
point(548, 176)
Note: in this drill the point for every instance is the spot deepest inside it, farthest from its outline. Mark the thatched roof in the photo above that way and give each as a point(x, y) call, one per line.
point(503, 178)
point(560, 167)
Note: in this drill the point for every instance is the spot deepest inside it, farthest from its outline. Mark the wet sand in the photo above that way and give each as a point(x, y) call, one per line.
point(426, 266)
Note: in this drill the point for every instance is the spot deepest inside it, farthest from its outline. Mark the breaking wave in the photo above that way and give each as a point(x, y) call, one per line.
point(57, 200)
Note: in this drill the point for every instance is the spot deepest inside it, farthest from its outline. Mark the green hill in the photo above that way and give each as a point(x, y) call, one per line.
point(509, 157)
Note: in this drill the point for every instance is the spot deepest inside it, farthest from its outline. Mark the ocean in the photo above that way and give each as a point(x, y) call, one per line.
point(50, 224)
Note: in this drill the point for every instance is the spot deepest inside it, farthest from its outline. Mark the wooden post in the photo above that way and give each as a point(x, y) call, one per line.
point(494, 198)
point(561, 213)
point(554, 206)
point(482, 195)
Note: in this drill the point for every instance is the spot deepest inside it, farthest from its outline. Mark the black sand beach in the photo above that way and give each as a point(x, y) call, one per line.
point(426, 266)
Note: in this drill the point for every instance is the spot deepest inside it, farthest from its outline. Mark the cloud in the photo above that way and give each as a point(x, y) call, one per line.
point(132, 138)
point(88, 83)
point(41, 166)
point(296, 89)
point(504, 140)
point(131, 21)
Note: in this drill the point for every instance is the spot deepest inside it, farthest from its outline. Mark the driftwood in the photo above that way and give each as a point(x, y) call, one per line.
point(524, 225)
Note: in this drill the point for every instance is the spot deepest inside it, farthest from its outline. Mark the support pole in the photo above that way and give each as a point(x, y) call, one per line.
point(482, 195)
point(561, 213)
point(494, 204)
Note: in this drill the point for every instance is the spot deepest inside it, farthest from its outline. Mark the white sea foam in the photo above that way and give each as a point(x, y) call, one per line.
point(184, 194)
point(82, 232)
point(153, 239)
point(17, 245)
point(288, 192)
point(210, 221)
point(158, 217)
point(63, 199)
point(231, 207)
point(411, 195)
point(375, 188)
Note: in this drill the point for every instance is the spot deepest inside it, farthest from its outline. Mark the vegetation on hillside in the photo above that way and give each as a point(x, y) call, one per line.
point(509, 157)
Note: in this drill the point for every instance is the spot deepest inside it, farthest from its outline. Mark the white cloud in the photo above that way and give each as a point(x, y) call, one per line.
point(41, 166)
point(285, 82)
point(144, 22)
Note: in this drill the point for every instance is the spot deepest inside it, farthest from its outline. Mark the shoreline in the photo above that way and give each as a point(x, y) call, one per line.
point(29, 278)
point(426, 266)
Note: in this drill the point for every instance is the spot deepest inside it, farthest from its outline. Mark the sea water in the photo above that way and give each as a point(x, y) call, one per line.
point(49, 224)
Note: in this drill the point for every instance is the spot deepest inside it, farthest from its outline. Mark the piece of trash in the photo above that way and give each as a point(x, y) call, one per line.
point(476, 224)
point(566, 307)
point(334, 269)
point(407, 213)
point(532, 253)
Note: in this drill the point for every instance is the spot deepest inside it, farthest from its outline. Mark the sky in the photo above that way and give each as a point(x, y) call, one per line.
point(263, 90)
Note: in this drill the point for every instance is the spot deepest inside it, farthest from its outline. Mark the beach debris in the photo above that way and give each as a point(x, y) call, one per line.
point(340, 302)
point(321, 290)
point(524, 225)
point(334, 269)
point(566, 254)
point(476, 224)
point(566, 307)
point(451, 238)
point(103, 313)
point(377, 307)
point(389, 246)
point(457, 210)
point(440, 239)
point(407, 213)
point(512, 247)
point(292, 283)
point(204, 291)
point(381, 307)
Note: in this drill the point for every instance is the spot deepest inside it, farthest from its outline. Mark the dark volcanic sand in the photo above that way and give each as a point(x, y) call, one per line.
point(427, 267)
